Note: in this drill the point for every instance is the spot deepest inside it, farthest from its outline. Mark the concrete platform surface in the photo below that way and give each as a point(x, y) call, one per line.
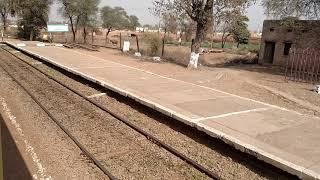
point(283, 138)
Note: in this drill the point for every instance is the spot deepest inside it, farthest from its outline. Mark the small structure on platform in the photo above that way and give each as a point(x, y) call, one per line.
point(279, 36)
point(317, 89)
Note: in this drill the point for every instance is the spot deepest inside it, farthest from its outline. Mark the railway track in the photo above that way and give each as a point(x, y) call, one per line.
point(152, 138)
point(20, 64)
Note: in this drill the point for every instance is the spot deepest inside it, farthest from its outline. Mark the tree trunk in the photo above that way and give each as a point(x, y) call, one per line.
point(92, 38)
point(163, 42)
point(199, 38)
point(74, 31)
point(4, 24)
point(196, 45)
point(84, 35)
point(31, 35)
point(107, 34)
point(203, 21)
point(238, 44)
point(4, 18)
point(212, 40)
point(74, 36)
point(222, 42)
point(224, 39)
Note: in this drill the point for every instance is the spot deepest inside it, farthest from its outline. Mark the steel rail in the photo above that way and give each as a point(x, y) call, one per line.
point(82, 148)
point(149, 136)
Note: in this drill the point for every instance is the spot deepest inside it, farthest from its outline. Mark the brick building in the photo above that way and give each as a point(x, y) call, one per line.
point(279, 36)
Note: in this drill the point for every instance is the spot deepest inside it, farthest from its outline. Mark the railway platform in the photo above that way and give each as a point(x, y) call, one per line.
point(284, 138)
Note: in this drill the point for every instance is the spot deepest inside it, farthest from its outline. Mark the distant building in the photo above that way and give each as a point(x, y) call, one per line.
point(279, 37)
point(141, 29)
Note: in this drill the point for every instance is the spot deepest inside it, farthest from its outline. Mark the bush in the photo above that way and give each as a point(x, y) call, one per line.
point(153, 43)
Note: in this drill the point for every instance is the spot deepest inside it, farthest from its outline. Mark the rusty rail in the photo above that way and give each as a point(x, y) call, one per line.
point(303, 65)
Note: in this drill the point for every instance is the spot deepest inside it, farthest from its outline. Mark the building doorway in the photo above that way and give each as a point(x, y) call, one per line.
point(269, 52)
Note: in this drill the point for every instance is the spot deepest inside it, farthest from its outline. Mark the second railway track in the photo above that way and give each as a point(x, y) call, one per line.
point(118, 146)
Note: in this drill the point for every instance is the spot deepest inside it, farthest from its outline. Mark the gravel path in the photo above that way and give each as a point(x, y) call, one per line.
point(128, 154)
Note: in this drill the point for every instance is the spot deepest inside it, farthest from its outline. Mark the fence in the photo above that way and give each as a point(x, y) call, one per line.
point(303, 65)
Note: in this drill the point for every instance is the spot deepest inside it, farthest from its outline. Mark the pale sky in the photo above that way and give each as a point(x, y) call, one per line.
point(140, 9)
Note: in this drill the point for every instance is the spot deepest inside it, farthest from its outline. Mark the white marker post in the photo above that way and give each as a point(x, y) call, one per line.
point(126, 46)
point(318, 89)
point(194, 58)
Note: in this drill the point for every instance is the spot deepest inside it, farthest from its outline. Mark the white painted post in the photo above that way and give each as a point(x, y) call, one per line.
point(194, 58)
point(126, 46)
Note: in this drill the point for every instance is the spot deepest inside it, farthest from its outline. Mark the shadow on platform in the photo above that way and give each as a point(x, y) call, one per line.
point(14, 166)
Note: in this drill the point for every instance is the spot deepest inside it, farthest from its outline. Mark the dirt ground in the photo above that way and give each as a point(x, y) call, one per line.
point(266, 84)
point(174, 53)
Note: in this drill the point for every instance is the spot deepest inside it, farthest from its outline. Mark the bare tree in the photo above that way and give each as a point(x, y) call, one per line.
point(187, 27)
point(296, 8)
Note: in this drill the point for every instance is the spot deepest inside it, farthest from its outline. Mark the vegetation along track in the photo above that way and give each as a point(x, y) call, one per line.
point(143, 144)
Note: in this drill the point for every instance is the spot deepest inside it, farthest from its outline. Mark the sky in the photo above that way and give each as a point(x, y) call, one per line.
point(140, 9)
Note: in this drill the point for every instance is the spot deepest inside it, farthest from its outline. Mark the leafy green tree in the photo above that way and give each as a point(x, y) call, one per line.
point(239, 30)
point(134, 21)
point(89, 10)
point(70, 10)
point(116, 18)
point(79, 13)
point(33, 16)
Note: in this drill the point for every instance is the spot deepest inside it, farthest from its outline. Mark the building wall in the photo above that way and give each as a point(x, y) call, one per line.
point(304, 34)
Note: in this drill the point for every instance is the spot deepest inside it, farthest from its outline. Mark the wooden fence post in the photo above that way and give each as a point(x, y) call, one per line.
point(120, 42)
point(137, 43)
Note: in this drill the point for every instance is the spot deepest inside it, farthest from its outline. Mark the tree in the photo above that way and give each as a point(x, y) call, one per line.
point(297, 8)
point(117, 18)
point(170, 22)
point(4, 12)
point(239, 30)
point(187, 26)
point(113, 18)
point(33, 16)
point(79, 12)
point(70, 10)
point(134, 22)
point(201, 12)
point(228, 20)
point(94, 26)
point(89, 10)
point(7, 8)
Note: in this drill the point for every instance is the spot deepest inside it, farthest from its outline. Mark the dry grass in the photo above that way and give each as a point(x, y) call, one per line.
point(151, 45)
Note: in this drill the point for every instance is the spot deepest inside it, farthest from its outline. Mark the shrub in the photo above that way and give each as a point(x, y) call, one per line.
point(153, 43)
